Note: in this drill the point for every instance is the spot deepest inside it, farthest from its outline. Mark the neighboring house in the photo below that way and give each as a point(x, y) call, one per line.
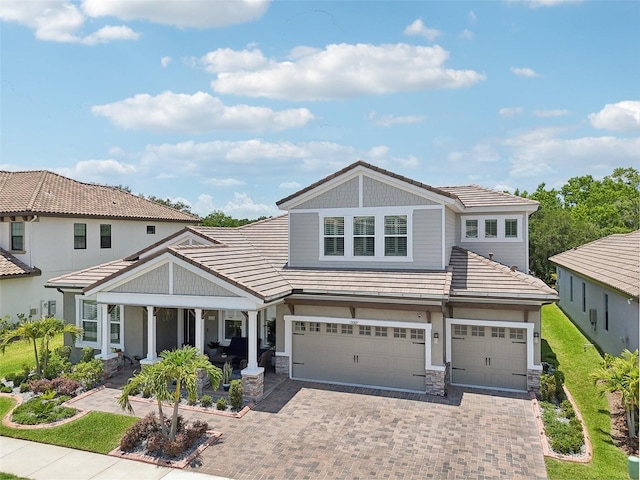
point(51, 225)
point(599, 285)
point(372, 279)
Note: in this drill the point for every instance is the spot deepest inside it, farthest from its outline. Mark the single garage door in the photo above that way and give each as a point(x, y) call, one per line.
point(494, 357)
point(358, 354)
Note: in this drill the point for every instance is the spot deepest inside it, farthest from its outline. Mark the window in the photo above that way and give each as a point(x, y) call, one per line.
point(299, 327)
point(89, 320)
point(79, 236)
point(314, 327)
point(471, 229)
point(115, 321)
point(365, 330)
point(334, 236)
point(491, 228)
point(516, 333)
point(346, 329)
point(460, 330)
point(332, 328)
point(477, 331)
point(17, 236)
point(417, 334)
point(584, 297)
point(151, 229)
point(381, 331)
point(399, 333)
point(364, 239)
point(233, 324)
point(606, 312)
point(511, 228)
point(395, 236)
point(105, 236)
point(571, 288)
point(497, 332)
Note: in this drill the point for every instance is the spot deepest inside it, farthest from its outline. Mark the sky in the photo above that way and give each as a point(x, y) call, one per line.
point(234, 105)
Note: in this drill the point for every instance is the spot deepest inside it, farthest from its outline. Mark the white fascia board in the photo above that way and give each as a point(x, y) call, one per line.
point(527, 208)
point(361, 298)
point(177, 301)
point(504, 297)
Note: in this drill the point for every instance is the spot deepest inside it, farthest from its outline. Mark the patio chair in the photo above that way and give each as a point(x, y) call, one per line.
point(265, 359)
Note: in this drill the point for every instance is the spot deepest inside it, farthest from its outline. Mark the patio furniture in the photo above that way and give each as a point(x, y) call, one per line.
point(220, 360)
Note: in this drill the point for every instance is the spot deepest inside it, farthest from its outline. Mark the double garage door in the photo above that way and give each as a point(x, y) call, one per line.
point(494, 357)
point(359, 354)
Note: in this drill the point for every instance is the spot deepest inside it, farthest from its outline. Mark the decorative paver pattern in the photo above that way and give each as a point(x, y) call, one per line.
point(310, 430)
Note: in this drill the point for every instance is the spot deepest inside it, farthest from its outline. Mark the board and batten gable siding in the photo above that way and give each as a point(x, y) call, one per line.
point(344, 195)
point(379, 194)
point(507, 253)
point(623, 315)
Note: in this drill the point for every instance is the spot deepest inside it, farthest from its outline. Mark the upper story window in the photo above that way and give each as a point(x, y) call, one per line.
point(364, 236)
point(395, 235)
point(105, 236)
point(80, 236)
point(492, 228)
point(17, 236)
point(334, 236)
point(151, 229)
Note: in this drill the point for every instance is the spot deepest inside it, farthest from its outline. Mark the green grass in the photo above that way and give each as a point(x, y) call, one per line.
point(96, 432)
point(567, 343)
point(21, 352)
point(9, 476)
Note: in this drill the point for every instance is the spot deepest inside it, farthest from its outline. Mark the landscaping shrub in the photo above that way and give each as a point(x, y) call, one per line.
point(63, 351)
point(9, 377)
point(24, 387)
point(192, 400)
point(563, 429)
point(6, 389)
point(87, 355)
point(40, 386)
point(40, 410)
point(206, 401)
point(221, 404)
point(138, 432)
point(56, 366)
point(65, 386)
point(89, 374)
point(235, 394)
point(19, 378)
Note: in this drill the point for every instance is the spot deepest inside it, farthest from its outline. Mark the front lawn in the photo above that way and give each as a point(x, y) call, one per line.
point(577, 362)
point(20, 352)
point(96, 432)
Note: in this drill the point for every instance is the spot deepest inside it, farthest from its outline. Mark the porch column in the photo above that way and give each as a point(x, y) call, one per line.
point(253, 376)
point(152, 355)
point(199, 330)
point(180, 337)
point(252, 320)
point(105, 333)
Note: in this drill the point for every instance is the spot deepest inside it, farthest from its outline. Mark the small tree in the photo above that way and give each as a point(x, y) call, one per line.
point(179, 367)
point(42, 329)
point(621, 374)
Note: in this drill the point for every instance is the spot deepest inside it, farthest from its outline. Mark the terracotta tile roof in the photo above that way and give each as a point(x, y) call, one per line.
point(41, 192)
point(469, 196)
point(477, 276)
point(254, 258)
point(11, 267)
point(613, 261)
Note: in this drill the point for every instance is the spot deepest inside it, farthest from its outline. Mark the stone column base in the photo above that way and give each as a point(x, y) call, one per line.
point(282, 365)
point(533, 381)
point(111, 365)
point(435, 382)
point(253, 384)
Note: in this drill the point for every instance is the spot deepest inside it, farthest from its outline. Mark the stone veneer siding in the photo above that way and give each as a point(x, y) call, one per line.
point(111, 366)
point(533, 380)
point(253, 386)
point(282, 365)
point(435, 381)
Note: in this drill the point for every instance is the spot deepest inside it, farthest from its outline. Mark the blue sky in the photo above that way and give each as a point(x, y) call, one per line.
point(234, 105)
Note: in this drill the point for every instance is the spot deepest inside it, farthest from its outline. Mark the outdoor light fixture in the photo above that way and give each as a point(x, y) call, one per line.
point(536, 337)
point(436, 336)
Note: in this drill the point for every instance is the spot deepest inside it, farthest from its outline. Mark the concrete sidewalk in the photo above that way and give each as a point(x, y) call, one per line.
point(39, 461)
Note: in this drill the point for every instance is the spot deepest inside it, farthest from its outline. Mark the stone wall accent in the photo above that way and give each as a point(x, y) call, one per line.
point(435, 381)
point(378, 194)
point(253, 386)
point(282, 365)
point(343, 195)
point(111, 366)
point(533, 380)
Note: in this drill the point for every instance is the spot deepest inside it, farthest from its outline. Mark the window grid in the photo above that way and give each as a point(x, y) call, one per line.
point(471, 230)
point(334, 236)
point(79, 236)
point(346, 329)
point(314, 327)
point(89, 320)
point(399, 332)
point(365, 330)
point(477, 331)
point(417, 334)
point(364, 239)
point(105, 236)
point(395, 236)
point(516, 333)
point(299, 327)
point(511, 228)
point(460, 330)
point(491, 228)
point(151, 229)
point(498, 332)
point(17, 236)
point(381, 331)
point(332, 328)
point(115, 320)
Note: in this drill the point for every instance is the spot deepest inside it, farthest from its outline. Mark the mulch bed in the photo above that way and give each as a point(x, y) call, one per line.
point(619, 430)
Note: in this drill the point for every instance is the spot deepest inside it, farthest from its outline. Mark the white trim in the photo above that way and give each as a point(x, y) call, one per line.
point(79, 341)
point(501, 228)
point(443, 239)
point(188, 235)
point(360, 191)
point(177, 301)
point(222, 317)
point(494, 323)
point(171, 278)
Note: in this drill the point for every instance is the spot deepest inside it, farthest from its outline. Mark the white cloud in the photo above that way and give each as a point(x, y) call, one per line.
point(291, 185)
point(504, 188)
point(509, 112)
point(388, 120)
point(550, 3)
point(524, 72)
point(241, 206)
point(182, 14)
point(60, 21)
point(419, 28)
point(197, 113)
point(621, 116)
point(551, 113)
point(165, 61)
point(337, 71)
point(222, 182)
point(467, 35)
point(472, 17)
point(99, 171)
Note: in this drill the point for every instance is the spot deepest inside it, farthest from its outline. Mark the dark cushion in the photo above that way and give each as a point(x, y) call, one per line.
point(239, 346)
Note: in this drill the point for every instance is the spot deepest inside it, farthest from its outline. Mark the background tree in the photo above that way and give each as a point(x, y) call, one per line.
point(218, 218)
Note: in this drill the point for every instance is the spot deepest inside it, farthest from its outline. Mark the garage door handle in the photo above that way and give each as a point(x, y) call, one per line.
point(298, 333)
point(457, 338)
point(519, 374)
point(298, 363)
point(524, 343)
point(457, 368)
point(418, 375)
point(418, 343)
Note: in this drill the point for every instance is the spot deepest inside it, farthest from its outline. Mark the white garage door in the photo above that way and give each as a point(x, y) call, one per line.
point(494, 357)
point(358, 354)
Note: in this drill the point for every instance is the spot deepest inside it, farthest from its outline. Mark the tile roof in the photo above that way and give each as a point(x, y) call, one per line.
point(477, 276)
point(11, 267)
point(469, 196)
point(613, 261)
point(40, 192)
point(254, 258)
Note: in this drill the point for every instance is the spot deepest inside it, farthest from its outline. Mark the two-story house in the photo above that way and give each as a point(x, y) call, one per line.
point(51, 225)
point(372, 279)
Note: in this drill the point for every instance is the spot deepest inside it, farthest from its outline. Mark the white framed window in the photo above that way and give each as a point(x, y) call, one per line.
point(517, 333)
point(399, 332)
point(17, 236)
point(233, 324)
point(477, 331)
point(346, 329)
point(365, 330)
point(395, 235)
point(364, 236)
point(381, 331)
point(492, 228)
point(332, 328)
point(334, 236)
point(299, 327)
point(87, 319)
point(497, 332)
point(460, 330)
point(417, 334)
point(116, 321)
point(314, 327)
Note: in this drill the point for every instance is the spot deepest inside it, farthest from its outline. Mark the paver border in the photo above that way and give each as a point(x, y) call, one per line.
point(6, 420)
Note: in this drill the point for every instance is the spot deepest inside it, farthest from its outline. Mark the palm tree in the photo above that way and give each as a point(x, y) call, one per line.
point(33, 330)
point(179, 367)
point(621, 374)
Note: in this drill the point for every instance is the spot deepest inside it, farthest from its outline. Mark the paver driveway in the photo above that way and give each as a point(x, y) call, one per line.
point(310, 430)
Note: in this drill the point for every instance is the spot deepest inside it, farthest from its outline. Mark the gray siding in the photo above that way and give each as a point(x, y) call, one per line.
point(188, 283)
point(623, 316)
point(156, 281)
point(378, 194)
point(342, 196)
point(451, 221)
point(304, 239)
point(427, 239)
